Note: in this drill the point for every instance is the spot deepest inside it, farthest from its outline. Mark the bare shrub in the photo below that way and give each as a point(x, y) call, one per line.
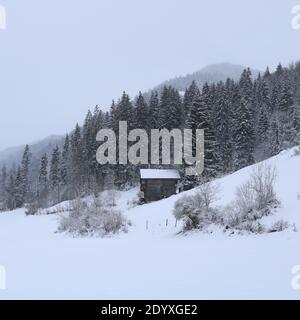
point(196, 209)
point(263, 178)
point(209, 193)
point(254, 199)
point(31, 208)
point(252, 226)
point(297, 151)
point(111, 197)
point(136, 201)
point(92, 218)
point(279, 226)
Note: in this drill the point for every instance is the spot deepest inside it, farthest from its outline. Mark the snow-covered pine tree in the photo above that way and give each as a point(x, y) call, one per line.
point(126, 111)
point(141, 113)
point(190, 93)
point(153, 110)
point(76, 169)
point(54, 176)
point(244, 137)
point(200, 119)
point(273, 138)
point(170, 109)
point(222, 119)
point(89, 152)
point(3, 186)
point(19, 189)
point(264, 110)
point(65, 163)
point(125, 174)
point(285, 99)
point(24, 172)
point(267, 74)
point(43, 183)
point(11, 193)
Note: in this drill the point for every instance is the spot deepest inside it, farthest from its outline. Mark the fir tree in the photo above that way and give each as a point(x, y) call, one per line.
point(54, 176)
point(24, 172)
point(65, 162)
point(154, 110)
point(43, 183)
point(200, 119)
point(222, 124)
point(191, 92)
point(273, 140)
point(141, 113)
point(244, 136)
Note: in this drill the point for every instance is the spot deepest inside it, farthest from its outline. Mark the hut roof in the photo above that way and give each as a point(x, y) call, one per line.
point(159, 174)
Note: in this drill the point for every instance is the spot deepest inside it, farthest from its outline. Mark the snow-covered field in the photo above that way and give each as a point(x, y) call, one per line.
point(155, 262)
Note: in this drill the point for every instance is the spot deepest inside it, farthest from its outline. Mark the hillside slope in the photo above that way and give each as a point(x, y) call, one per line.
point(156, 262)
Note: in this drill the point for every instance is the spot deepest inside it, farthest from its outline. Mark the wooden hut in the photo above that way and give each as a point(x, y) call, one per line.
point(158, 184)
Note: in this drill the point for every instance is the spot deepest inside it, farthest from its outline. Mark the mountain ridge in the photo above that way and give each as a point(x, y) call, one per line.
point(210, 73)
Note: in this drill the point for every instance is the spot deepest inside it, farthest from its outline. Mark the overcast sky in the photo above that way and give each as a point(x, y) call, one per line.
point(60, 57)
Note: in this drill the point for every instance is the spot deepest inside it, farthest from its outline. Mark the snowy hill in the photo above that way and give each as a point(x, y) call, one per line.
point(152, 260)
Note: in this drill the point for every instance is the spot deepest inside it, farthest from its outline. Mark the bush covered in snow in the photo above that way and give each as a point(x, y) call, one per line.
point(279, 226)
point(297, 151)
point(31, 208)
point(196, 210)
point(254, 199)
point(92, 218)
point(136, 201)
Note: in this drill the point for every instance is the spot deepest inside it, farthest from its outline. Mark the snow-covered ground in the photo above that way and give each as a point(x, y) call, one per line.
point(151, 260)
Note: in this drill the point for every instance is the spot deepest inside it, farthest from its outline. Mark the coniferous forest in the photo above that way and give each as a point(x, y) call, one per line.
point(245, 121)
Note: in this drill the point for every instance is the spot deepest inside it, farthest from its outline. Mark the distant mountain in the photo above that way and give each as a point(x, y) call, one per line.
point(14, 155)
point(212, 73)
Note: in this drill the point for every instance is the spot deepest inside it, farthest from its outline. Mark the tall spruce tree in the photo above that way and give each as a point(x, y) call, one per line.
point(200, 119)
point(54, 176)
point(154, 110)
point(222, 124)
point(24, 172)
point(43, 183)
point(65, 162)
point(141, 113)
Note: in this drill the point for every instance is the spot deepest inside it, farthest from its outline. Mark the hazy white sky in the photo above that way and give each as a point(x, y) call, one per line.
point(60, 57)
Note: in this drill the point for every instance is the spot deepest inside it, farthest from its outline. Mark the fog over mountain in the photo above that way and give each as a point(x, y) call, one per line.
point(13, 155)
point(212, 73)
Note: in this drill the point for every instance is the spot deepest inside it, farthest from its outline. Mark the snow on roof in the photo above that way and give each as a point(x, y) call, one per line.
point(159, 174)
